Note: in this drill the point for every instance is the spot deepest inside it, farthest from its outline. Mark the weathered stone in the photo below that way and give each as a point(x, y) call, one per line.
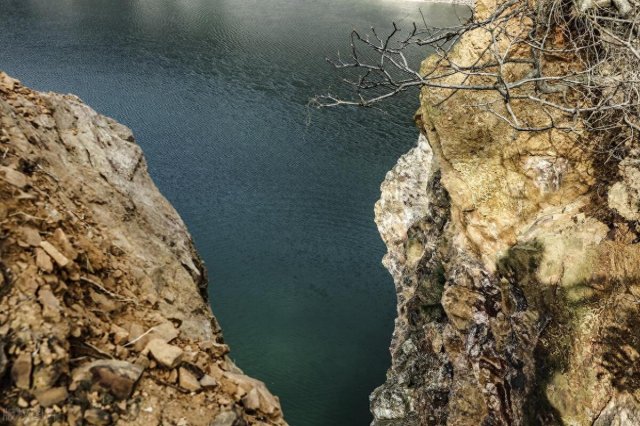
point(165, 331)
point(21, 371)
point(31, 236)
point(208, 382)
point(117, 377)
point(120, 335)
point(62, 241)
point(46, 375)
point(43, 261)
point(224, 418)
point(50, 304)
point(13, 177)
point(251, 400)
point(95, 416)
point(53, 396)
point(267, 403)
point(59, 258)
point(187, 380)
point(166, 354)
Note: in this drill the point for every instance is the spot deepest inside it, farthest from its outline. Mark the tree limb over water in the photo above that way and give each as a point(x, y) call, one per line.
point(577, 64)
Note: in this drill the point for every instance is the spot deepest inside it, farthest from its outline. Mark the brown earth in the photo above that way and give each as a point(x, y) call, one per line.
point(103, 310)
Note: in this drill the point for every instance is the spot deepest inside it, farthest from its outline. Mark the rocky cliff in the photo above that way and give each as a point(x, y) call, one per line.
point(103, 311)
point(515, 259)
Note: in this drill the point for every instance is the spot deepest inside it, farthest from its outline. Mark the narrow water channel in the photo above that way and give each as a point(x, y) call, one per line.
point(279, 199)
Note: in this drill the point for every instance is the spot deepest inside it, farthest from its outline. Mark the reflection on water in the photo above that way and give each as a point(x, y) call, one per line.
point(279, 199)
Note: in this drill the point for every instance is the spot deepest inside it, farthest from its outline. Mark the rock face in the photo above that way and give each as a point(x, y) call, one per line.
point(102, 295)
point(515, 260)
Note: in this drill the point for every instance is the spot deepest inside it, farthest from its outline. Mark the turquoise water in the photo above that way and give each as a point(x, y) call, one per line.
point(279, 199)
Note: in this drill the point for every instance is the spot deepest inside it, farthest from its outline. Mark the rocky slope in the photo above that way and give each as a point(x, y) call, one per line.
point(103, 312)
point(515, 259)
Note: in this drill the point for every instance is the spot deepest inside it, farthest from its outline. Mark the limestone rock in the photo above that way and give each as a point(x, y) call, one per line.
point(31, 236)
point(52, 396)
point(13, 177)
point(117, 377)
point(21, 370)
point(97, 417)
point(187, 380)
point(55, 254)
point(225, 418)
point(208, 382)
point(166, 354)
point(43, 261)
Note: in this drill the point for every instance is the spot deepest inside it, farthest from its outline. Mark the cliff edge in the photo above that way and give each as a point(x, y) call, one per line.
point(103, 311)
point(515, 258)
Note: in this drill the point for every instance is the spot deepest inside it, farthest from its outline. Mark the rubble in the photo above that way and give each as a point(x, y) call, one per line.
point(83, 338)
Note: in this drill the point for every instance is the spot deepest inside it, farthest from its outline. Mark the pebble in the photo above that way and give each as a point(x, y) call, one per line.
point(188, 381)
point(52, 396)
point(60, 258)
point(21, 371)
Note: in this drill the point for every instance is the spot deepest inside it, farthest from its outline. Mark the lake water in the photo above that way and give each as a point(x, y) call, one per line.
point(279, 200)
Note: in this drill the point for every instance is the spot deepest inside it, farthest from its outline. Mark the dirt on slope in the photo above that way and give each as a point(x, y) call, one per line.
point(103, 311)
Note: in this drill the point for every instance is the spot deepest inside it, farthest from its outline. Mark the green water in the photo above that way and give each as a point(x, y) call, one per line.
point(279, 201)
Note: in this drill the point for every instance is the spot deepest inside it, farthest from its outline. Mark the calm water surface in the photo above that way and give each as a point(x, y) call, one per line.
point(279, 201)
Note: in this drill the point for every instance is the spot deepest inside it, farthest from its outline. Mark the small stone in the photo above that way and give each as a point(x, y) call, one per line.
point(43, 261)
point(166, 354)
point(208, 382)
point(97, 417)
point(117, 377)
point(50, 304)
point(142, 361)
point(53, 396)
point(3, 357)
point(61, 240)
point(46, 376)
point(22, 403)
point(14, 177)
point(21, 371)
point(120, 335)
point(31, 236)
point(60, 258)
point(224, 418)
point(103, 302)
point(165, 331)
point(74, 415)
point(188, 381)
point(173, 376)
point(251, 400)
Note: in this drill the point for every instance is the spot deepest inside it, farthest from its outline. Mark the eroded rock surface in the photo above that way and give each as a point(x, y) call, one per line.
point(103, 317)
point(515, 260)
